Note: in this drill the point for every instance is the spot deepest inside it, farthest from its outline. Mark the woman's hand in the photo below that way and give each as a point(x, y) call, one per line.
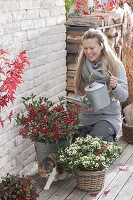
point(90, 108)
point(113, 82)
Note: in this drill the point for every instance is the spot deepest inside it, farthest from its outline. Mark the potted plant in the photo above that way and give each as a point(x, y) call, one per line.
point(16, 187)
point(89, 158)
point(46, 122)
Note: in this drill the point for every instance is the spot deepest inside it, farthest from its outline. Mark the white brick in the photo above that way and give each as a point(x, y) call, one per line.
point(41, 22)
point(29, 160)
point(63, 10)
point(34, 53)
point(55, 11)
point(39, 61)
point(15, 47)
point(28, 143)
point(27, 24)
point(4, 149)
point(25, 87)
point(30, 44)
point(24, 4)
point(1, 30)
point(8, 17)
point(11, 28)
point(53, 30)
point(7, 5)
point(19, 15)
point(38, 3)
point(13, 133)
point(53, 65)
point(3, 161)
point(24, 155)
point(61, 19)
point(42, 40)
point(50, 21)
point(14, 152)
point(7, 168)
point(56, 38)
point(40, 80)
point(49, 48)
point(5, 18)
point(44, 13)
point(56, 56)
point(60, 2)
point(32, 14)
point(14, 5)
point(20, 36)
point(6, 40)
point(49, 3)
point(32, 34)
point(3, 139)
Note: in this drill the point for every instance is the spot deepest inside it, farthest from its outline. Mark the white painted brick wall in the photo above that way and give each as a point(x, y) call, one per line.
point(37, 26)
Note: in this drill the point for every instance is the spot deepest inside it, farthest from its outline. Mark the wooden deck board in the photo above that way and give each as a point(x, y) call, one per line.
point(118, 183)
point(126, 193)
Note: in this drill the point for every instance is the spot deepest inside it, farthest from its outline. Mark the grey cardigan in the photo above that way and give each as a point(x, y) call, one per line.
point(111, 113)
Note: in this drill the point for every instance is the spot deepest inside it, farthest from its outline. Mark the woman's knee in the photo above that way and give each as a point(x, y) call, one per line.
point(103, 130)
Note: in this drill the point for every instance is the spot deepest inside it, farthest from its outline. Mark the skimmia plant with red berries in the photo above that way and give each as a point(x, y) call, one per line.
point(48, 122)
point(11, 70)
point(16, 187)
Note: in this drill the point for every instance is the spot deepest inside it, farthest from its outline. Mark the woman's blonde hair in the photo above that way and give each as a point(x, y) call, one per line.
point(109, 58)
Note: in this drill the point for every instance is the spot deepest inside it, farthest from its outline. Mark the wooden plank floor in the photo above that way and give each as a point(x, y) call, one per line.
point(118, 182)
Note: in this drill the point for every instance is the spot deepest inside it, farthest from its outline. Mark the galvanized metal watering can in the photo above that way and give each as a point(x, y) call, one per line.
point(97, 93)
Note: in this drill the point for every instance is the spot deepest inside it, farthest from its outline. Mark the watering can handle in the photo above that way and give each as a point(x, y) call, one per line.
point(98, 70)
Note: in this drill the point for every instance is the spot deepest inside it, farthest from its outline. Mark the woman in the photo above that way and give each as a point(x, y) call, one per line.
point(97, 54)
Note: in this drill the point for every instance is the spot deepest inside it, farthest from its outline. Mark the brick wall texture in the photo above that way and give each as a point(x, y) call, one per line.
point(37, 26)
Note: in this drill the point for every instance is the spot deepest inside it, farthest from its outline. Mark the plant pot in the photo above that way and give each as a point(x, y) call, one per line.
point(92, 181)
point(43, 150)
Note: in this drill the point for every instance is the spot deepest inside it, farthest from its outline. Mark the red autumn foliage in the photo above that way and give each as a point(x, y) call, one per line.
point(11, 71)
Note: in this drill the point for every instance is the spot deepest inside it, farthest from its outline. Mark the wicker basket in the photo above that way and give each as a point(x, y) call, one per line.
point(91, 181)
point(127, 133)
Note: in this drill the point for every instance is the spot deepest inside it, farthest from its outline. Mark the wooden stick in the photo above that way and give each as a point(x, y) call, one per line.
point(109, 26)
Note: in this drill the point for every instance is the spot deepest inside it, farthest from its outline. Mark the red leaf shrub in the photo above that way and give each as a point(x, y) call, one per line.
point(11, 70)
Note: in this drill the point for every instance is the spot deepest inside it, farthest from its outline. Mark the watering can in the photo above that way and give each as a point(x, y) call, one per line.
point(97, 93)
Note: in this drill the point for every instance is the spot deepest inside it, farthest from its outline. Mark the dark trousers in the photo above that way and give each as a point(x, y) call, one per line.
point(102, 129)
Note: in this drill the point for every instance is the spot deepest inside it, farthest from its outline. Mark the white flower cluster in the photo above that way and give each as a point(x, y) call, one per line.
point(89, 154)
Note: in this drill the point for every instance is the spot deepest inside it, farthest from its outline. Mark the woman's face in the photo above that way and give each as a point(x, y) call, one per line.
point(92, 49)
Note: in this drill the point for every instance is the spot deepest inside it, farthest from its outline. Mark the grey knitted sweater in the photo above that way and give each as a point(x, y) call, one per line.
point(111, 113)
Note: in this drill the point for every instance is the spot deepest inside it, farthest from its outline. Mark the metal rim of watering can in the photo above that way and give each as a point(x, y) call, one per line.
point(90, 77)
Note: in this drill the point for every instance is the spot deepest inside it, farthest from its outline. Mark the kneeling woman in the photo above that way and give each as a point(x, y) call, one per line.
point(97, 54)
